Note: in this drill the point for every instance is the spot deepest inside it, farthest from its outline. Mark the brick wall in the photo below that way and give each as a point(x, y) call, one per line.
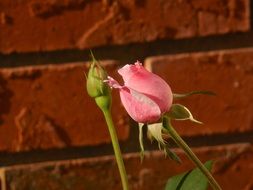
point(52, 135)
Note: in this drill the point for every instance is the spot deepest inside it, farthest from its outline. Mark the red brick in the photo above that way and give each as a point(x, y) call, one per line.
point(206, 20)
point(227, 73)
point(47, 25)
point(230, 170)
point(47, 106)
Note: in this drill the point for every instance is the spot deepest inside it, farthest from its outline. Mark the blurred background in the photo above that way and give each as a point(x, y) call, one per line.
point(52, 135)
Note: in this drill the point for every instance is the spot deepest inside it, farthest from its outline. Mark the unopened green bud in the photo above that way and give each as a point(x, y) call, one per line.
point(96, 87)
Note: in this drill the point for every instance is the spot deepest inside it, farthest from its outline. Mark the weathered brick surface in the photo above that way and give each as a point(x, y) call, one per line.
point(47, 25)
point(48, 107)
point(101, 172)
point(227, 73)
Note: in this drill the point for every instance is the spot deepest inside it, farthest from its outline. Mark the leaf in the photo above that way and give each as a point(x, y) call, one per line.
point(180, 112)
point(175, 182)
point(190, 180)
point(210, 93)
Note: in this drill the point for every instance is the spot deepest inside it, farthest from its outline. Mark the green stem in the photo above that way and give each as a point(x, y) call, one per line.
point(116, 148)
point(180, 142)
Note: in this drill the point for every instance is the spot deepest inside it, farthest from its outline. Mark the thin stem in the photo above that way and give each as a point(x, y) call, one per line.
point(116, 148)
point(180, 142)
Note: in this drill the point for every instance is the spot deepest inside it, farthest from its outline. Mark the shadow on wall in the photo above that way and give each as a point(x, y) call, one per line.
point(5, 96)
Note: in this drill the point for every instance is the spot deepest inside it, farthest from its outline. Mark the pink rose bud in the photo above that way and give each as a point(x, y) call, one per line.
point(144, 95)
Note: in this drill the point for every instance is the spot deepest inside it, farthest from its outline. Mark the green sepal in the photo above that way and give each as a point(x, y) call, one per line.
point(141, 141)
point(172, 155)
point(180, 112)
point(193, 179)
point(204, 92)
point(96, 87)
point(155, 131)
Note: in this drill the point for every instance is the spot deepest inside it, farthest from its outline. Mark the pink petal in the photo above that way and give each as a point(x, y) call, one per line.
point(139, 79)
point(140, 107)
point(112, 82)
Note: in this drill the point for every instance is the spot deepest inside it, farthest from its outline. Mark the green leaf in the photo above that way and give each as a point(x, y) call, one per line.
point(190, 180)
point(180, 112)
point(192, 93)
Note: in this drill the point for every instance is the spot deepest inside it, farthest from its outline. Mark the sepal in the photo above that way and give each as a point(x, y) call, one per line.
point(96, 87)
point(180, 112)
point(155, 132)
point(141, 141)
point(204, 92)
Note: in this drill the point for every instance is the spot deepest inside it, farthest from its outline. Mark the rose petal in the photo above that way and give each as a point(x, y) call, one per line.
point(112, 82)
point(138, 78)
point(140, 107)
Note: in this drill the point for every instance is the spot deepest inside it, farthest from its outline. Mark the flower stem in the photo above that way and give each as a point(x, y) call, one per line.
point(180, 142)
point(116, 148)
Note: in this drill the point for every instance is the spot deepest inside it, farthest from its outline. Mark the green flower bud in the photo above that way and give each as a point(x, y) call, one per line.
point(96, 87)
